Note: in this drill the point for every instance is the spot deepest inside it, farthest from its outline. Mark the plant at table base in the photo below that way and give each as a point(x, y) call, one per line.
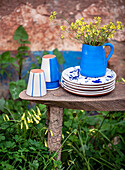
point(22, 37)
point(92, 33)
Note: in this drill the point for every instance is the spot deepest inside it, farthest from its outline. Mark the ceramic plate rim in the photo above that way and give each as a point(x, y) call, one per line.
point(88, 87)
point(83, 76)
point(86, 94)
point(90, 92)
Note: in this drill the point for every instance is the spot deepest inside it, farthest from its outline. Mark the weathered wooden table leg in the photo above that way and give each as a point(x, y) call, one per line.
point(55, 125)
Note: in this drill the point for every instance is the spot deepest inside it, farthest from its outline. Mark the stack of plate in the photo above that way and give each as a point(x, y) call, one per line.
point(72, 81)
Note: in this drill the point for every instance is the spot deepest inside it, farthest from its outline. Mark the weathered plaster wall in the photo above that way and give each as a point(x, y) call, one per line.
point(34, 16)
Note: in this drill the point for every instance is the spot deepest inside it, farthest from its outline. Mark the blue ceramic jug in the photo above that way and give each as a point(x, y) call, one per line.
point(93, 61)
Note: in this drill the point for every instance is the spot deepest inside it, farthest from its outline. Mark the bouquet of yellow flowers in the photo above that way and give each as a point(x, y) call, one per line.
point(92, 34)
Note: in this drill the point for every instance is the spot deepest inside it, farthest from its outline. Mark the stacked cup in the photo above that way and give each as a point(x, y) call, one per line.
point(50, 67)
point(46, 78)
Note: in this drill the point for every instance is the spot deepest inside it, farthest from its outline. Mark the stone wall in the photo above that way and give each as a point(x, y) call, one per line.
point(34, 16)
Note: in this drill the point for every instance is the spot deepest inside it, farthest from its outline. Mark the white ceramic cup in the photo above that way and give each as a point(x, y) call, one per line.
point(36, 84)
point(50, 67)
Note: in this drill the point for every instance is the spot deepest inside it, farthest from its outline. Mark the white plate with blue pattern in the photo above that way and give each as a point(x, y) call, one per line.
point(78, 87)
point(89, 93)
point(72, 75)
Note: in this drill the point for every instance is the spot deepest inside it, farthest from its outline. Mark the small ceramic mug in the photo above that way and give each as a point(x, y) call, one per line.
point(50, 67)
point(36, 83)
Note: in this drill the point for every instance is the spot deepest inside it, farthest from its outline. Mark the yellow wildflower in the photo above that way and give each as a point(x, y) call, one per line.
point(29, 113)
point(84, 23)
point(23, 116)
point(46, 131)
point(86, 35)
point(80, 23)
point(82, 29)
point(28, 120)
point(119, 25)
point(112, 26)
point(4, 118)
point(110, 36)
point(62, 136)
point(72, 26)
point(90, 34)
point(25, 122)
point(92, 130)
point(63, 28)
point(51, 132)
point(7, 117)
point(38, 110)
point(77, 22)
point(123, 80)
point(21, 125)
point(62, 36)
point(82, 19)
point(37, 116)
point(45, 143)
point(77, 36)
point(37, 122)
point(53, 15)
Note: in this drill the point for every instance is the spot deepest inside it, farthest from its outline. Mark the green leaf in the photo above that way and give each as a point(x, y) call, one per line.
point(45, 53)
point(2, 137)
point(2, 103)
point(68, 123)
point(20, 34)
point(16, 87)
point(24, 42)
point(6, 58)
point(15, 65)
point(32, 148)
point(23, 48)
point(59, 56)
point(34, 165)
point(10, 144)
point(5, 54)
point(39, 59)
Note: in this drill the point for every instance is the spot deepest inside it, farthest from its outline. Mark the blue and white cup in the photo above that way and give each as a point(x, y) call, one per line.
point(50, 67)
point(36, 84)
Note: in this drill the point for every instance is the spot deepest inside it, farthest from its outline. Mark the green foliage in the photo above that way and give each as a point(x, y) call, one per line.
point(16, 87)
point(5, 61)
point(92, 142)
point(59, 56)
point(45, 52)
point(2, 103)
point(21, 35)
point(25, 149)
point(39, 61)
point(98, 143)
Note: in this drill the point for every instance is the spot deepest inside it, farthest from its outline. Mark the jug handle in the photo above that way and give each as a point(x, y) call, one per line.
point(111, 51)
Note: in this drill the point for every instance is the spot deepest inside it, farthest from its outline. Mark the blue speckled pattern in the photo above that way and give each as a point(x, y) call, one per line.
point(73, 75)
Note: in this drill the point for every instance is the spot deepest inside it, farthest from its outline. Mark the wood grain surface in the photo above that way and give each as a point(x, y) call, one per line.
point(114, 101)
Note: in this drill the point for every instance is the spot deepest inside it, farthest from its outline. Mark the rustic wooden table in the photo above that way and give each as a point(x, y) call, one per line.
point(57, 100)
